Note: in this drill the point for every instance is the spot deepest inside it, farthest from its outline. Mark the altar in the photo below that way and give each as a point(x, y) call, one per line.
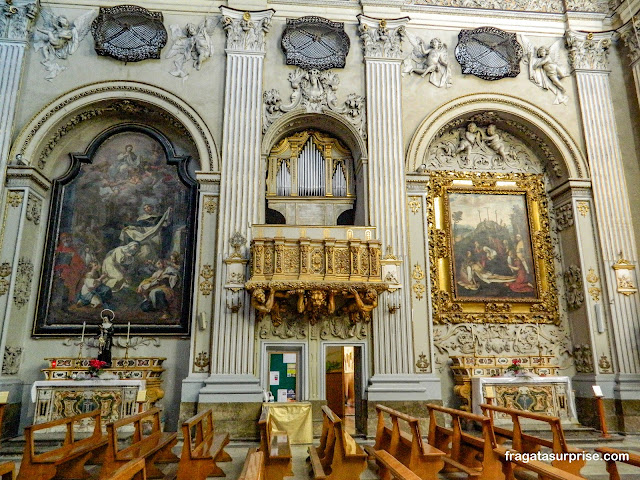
point(542, 395)
point(56, 399)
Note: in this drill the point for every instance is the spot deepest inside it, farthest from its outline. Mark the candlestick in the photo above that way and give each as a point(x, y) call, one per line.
point(126, 352)
point(84, 325)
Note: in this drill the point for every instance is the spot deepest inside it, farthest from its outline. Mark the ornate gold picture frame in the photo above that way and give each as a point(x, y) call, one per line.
point(490, 249)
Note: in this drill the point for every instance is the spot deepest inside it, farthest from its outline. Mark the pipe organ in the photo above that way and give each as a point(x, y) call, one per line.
point(310, 179)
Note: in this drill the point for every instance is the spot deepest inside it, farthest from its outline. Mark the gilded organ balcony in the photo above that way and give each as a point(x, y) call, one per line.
point(313, 269)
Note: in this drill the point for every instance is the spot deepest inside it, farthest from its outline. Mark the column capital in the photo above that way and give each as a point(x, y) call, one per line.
point(382, 38)
point(246, 30)
point(17, 19)
point(630, 33)
point(588, 50)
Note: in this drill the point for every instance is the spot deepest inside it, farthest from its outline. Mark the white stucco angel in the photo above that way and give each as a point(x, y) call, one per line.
point(58, 38)
point(193, 43)
point(544, 69)
point(431, 60)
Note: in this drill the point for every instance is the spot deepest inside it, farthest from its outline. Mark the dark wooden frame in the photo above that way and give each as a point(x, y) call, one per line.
point(40, 327)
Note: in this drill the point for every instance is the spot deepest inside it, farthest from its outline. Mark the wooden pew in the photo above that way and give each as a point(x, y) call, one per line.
point(253, 468)
point(634, 459)
point(276, 449)
point(406, 447)
point(153, 445)
point(133, 470)
point(202, 448)
point(463, 449)
point(527, 443)
point(389, 467)
point(338, 457)
point(68, 460)
point(7, 470)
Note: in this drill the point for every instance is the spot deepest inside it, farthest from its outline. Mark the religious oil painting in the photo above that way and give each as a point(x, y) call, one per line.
point(120, 238)
point(492, 253)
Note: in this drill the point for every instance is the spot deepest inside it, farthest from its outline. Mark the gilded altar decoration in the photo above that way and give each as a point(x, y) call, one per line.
point(490, 244)
point(316, 277)
point(624, 276)
point(583, 208)
point(123, 237)
point(593, 279)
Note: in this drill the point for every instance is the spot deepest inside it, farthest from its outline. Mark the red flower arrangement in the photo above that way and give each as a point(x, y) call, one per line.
point(95, 366)
point(515, 366)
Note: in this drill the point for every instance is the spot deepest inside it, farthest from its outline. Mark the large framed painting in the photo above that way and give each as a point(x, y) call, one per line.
point(120, 237)
point(490, 249)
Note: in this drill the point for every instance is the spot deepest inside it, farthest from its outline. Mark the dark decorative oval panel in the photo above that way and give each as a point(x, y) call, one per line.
point(129, 33)
point(489, 53)
point(315, 43)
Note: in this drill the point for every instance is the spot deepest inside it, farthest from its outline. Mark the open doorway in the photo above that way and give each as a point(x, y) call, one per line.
point(343, 385)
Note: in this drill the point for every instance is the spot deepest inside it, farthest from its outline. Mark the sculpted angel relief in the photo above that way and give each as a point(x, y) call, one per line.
point(121, 236)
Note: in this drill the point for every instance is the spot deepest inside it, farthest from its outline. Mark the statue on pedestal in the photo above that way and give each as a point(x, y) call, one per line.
point(105, 337)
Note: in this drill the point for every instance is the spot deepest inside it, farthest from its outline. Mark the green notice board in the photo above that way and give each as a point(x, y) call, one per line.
point(286, 373)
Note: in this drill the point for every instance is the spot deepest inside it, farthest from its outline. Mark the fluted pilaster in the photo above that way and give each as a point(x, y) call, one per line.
point(393, 337)
point(16, 21)
point(588, 54)
point(233, 319)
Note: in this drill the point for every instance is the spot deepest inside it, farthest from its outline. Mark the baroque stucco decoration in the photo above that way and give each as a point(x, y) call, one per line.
point(588, 51)
point(564, 217)
point(315, 43)
point(630, 34)
point(431, 60)
point(574, 287)
point(58, 38)
point(129, 33)
point(543, 6)
point(246, 31)
point(488, 53)
point(583, 358)
point(315, 91)
point(544, 68)
point(24, 277)
point(11, 360)
point(16, 20)
point(192, 45)
point(382, 38)
point(480, 146)
point(487, 339)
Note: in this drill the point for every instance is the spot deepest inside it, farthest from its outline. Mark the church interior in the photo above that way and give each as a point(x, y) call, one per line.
point(339, 239)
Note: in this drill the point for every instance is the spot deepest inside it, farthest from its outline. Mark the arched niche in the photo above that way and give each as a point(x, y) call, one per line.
point(121, 230)
point(89, 109)
point(541, 132)
point(334, 125)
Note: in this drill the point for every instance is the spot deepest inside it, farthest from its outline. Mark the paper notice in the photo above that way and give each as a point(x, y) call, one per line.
point(274, 378)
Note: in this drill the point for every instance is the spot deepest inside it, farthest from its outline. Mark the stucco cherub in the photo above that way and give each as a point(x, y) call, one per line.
point(193, 43)
point(432, 60)
point(58, 38)
point(544, 68)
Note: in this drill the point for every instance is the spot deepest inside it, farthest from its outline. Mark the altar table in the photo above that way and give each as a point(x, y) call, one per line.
point(56, 399)
point(293, 418)
point(544, 395)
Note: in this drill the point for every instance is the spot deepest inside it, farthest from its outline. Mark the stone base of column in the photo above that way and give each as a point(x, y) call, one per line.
point(621, 401)
point(404, 387)
point(230, 388)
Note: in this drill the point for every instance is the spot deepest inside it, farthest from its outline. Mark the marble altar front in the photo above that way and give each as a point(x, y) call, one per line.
point(543, 395)
point(56, 399)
